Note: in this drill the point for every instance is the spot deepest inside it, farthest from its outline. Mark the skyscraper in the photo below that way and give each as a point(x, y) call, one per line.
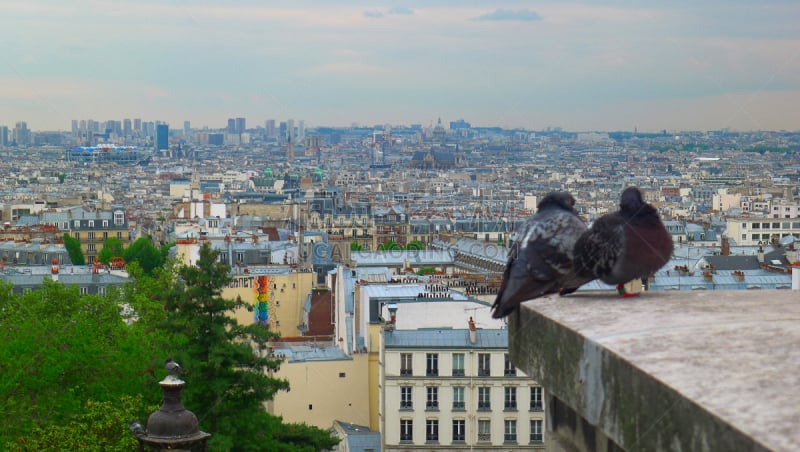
point(126, 127)
point(137, 125)
point(3, 136)
point(240, 125)
point(269, 125)
point(231, 125)
point(187, 127)
point(22, 136)
point(75, 130)
point(162, 137)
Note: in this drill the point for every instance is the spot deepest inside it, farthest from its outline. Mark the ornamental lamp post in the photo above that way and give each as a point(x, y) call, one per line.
point(172, 427)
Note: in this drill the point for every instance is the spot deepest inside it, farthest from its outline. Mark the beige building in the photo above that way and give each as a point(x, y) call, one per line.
point(456, 389)
point(761, 231)
point(325, 386)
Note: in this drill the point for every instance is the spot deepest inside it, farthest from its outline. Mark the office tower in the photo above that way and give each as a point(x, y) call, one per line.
point(282, 134)
point(240, 125)
point(75, 130)
point(91, 126)
point(301, 129)
point(148, 129)
point(137, 125)
point(290, 130)
point(231, 125)
point(162, 137)
point(82, 126)
point(22, 136)
point(187, 126)
point(3, 136)
point(269, 126)
point(126, 127)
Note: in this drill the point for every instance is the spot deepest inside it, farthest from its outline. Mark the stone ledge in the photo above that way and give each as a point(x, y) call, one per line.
point(689, 371)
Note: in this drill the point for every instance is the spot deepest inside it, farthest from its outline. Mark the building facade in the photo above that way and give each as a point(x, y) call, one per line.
point(456, 389)
point(762, 231)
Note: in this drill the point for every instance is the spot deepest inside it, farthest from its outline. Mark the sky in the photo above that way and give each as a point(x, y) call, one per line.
point(585, 65)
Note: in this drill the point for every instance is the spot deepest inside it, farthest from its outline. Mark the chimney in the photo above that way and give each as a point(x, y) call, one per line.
point(725, 246)
point(54, 269)
point(760, 255)
point(473, 334)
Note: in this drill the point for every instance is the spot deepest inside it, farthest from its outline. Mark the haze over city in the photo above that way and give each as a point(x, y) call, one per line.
point(592, 65)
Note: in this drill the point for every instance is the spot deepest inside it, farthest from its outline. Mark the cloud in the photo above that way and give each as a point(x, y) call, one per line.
point(508, 14)
point(373, 14)
point(401, 10)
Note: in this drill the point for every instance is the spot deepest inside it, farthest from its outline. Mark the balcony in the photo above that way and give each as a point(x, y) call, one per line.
point(405, 372)
point(458, 372)
point(718, 370)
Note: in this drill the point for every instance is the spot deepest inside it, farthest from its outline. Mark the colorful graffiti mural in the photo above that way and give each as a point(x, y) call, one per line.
point(262, 299)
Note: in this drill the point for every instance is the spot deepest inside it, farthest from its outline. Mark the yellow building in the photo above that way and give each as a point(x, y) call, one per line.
point(325, 386)
point(283, 290)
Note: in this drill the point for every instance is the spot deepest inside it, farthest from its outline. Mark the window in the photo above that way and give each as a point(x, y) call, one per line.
point(765, 226)
point(458, 397)
point(510, 400)
point(536, 398)
point(786, 225)
point(101, 290)
point(756, 225)
point(509, 370)
point(458, 364)
point(536, 430)
point(76, 224)
point(405, 397)
point(90, 235)
point(432, 431)
point(84, 290)
point(432, 401)
point(432, 366)
point(484, 400)
point(119, 218)
point(91, 248)
point(484, 430)
point(406, 430)
point(77, 236)
point(119, 235)
point(105, 224)
point(405, 364)
point(91, 223)
point(484, 364)
point(510, 431)
point(756, 236)
point(459, 426)
point(795, 225)
point(105, 235)
point(776, 225)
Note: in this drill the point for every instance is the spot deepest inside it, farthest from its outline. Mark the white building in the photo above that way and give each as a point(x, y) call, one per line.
point(761, 231)
point(456, 389)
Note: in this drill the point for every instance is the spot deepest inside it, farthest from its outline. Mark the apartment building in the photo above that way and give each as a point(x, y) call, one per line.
point(456, 389)
point(762, 231)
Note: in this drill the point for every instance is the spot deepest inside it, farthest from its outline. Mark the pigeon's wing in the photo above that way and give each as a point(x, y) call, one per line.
point(538, 260)
point(599, 249)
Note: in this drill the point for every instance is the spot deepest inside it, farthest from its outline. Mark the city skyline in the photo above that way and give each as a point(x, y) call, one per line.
point(599, 65)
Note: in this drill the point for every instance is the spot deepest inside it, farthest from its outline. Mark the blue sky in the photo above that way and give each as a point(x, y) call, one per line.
point(591, 65)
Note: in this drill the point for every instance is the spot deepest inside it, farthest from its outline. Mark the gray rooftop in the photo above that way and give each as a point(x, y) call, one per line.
point(446, 338)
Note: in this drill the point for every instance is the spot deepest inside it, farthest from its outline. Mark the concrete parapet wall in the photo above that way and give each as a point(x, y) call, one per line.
point(668, 371)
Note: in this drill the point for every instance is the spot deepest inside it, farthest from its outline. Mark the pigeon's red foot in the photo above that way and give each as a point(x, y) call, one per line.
point(623, 293)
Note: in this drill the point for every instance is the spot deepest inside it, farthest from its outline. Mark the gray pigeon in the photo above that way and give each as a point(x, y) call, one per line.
point(540, 260)
point(172, 367)
point(624, 245)
point(136, 428)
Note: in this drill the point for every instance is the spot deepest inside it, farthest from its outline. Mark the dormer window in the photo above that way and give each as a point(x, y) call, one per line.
point(119, 218)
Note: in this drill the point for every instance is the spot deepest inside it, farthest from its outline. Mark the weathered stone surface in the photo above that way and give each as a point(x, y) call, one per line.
point(677, 371)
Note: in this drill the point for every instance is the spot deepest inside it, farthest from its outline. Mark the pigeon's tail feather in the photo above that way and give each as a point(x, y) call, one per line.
point(518, 291)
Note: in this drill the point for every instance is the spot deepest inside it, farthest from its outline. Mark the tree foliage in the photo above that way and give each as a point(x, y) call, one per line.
point(60, 349)
point(144, 253)
point(226, 362)
point(73, 247)
point(112, 248)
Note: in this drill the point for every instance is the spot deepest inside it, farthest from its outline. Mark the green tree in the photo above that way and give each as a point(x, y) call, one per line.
point(59, 349)
point(73, 247)
point(355, 246)
point(415, 245)
point(388, 245)
point(101, 427)
point(144, 253)
point(225, 361)
point(112, 248)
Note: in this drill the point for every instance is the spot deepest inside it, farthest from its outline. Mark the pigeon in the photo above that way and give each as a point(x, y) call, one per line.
point(540, 261)
point(136, 428)
point(624, 245)
point(172, 367)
